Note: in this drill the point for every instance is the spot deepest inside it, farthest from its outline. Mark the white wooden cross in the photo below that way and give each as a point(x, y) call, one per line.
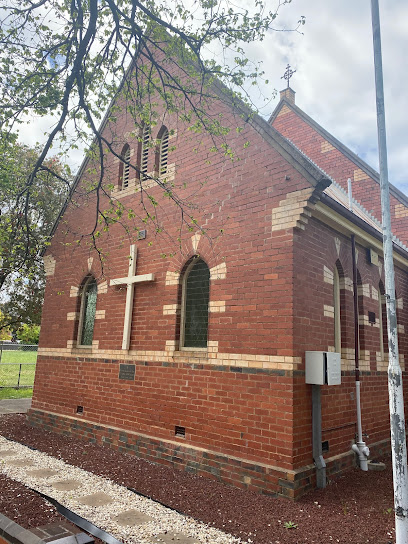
point(130, 281)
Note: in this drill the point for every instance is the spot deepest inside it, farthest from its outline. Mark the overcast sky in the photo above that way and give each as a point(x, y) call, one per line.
point(334, 79)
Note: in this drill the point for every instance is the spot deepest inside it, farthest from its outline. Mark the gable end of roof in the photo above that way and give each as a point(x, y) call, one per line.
point(373, 174)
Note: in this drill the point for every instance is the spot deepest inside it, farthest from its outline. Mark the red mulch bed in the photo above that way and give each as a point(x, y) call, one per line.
point(353, 509)
point(25, 507)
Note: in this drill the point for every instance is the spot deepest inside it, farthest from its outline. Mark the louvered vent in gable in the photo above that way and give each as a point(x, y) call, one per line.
point(145, 152)
point(126, 169)
point(164, 153)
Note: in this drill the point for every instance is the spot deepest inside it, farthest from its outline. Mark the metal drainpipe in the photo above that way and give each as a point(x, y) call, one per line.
point(360, 447)
point(350, 194)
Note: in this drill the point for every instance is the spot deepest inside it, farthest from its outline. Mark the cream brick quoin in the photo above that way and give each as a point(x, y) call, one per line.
point(359, 175)
point(293, 211)
point(328, 276)
point(325, 147)
point(49, 265)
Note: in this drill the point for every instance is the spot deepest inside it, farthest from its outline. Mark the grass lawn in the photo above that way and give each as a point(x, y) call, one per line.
point(10, 393)
point(10, 368)
point(18, 357)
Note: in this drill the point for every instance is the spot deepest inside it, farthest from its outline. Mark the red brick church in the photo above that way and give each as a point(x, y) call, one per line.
point(196, 358)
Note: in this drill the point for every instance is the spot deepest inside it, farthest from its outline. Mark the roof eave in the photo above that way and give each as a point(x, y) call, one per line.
point(350, 216)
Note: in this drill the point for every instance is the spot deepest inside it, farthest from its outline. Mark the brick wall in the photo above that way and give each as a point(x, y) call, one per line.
point(340, 168)
point(243, 400)
point(234, 399)
point(316, 250)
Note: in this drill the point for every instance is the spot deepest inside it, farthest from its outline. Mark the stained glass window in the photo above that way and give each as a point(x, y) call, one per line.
point(196, 297)
point(88, 312)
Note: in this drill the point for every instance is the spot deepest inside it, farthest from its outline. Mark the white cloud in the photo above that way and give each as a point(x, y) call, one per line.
point(334, 80)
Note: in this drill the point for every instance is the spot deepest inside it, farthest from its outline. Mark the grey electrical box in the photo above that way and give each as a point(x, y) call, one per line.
point(323, 368)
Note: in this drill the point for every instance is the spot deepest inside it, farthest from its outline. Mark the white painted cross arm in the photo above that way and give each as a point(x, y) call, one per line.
point(132, 279)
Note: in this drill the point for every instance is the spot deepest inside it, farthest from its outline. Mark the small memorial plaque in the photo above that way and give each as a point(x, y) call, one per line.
point(127, 372)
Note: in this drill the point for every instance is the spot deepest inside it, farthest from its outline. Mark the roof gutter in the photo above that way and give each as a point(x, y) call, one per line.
point(352, 218)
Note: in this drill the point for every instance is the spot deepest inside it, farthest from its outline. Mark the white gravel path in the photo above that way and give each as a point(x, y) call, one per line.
point(164, 519)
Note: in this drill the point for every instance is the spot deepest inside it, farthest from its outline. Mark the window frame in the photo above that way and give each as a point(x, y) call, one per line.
point(186, 274)
point(85, 285)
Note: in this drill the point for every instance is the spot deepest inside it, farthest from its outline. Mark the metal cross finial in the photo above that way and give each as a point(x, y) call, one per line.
point(288, 74)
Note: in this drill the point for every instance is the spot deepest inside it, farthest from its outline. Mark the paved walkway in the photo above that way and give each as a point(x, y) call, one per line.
point(127, 516)
point(14, 406)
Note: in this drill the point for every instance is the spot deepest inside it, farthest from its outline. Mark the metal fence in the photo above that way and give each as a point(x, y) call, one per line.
point(17, 364)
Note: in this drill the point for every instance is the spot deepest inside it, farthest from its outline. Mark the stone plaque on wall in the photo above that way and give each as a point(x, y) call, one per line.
point(127, 372)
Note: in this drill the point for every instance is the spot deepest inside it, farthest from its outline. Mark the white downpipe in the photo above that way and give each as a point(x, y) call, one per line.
point(360, 448)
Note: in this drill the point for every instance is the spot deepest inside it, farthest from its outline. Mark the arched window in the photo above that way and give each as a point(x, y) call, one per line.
point(162, 151)
point(87, 312)
point(144, 159)
point(195, 298)
point(124, 167)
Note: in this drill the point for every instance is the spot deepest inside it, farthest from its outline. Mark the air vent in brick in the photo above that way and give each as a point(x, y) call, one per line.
point(180, 431)
point(80, 410)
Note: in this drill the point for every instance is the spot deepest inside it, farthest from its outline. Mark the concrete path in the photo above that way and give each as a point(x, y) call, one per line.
point(129, 517)
point(14, 406)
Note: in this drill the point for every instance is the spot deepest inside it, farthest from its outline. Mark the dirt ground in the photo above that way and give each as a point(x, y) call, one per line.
point(355, 508)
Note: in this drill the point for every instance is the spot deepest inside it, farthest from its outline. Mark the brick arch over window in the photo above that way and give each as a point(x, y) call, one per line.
point(124, 167)
point(162, 151)
point(87, 309)
point(195, 296)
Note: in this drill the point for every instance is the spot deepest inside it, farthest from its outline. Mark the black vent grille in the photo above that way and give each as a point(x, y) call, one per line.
point(180, 431)
point(126, 168)
point(164, 153)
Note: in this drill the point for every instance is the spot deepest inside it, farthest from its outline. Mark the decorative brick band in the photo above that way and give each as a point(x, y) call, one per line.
point(82, 356)
point(262, 478)
point(234, 471)
point(210, 357)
